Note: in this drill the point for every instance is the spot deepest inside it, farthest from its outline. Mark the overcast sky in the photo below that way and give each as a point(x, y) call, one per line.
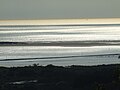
point(47, 9)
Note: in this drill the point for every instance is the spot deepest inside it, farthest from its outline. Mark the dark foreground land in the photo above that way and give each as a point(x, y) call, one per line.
point(103, 77)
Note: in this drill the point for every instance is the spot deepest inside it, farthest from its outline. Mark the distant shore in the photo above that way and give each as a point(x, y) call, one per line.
point(62, 21)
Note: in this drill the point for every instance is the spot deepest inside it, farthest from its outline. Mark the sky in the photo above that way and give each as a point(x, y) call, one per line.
point(59, 9)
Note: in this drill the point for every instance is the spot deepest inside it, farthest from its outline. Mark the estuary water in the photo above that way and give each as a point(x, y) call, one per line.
point(62, 45)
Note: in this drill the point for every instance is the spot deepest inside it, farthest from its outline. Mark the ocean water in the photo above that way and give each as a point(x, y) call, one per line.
point(59, 44)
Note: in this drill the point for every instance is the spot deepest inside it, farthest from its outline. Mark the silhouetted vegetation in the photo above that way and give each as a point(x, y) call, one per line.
point(103, 77)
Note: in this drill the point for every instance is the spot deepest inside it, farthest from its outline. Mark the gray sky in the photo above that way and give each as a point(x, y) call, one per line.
point(47, 9)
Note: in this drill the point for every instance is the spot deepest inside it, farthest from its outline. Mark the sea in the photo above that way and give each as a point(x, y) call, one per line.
point(61, 45)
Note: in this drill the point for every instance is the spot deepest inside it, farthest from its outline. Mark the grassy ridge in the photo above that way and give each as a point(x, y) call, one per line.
point(103, 77)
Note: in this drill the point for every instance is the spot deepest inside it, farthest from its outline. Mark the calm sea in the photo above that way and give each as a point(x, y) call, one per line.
point(59, 44)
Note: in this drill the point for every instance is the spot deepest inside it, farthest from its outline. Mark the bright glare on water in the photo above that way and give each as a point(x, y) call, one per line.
point(60, 45)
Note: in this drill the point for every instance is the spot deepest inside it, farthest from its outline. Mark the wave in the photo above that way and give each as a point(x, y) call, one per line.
point(63, 43)
point(52, 27)
point(21, 59)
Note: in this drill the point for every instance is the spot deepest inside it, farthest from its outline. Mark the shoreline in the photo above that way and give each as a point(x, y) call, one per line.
point(67, 66)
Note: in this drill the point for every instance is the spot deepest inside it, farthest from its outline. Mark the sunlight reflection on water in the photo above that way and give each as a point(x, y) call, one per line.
point(60, 34)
